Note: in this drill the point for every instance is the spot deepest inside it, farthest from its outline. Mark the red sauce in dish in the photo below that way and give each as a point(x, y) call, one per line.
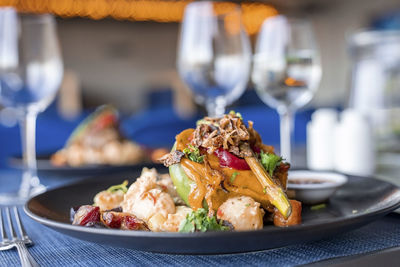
point(309, 181)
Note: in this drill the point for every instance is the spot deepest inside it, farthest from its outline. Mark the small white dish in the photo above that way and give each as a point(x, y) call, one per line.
point(313, 187)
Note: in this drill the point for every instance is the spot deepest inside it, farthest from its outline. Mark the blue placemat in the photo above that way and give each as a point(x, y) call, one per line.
point(55, 249)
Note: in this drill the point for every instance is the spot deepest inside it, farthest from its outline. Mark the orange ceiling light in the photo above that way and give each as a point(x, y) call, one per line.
point(138, 10)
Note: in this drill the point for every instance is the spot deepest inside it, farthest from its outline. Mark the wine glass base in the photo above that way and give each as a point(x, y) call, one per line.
point(14, 198)
point(19, 198)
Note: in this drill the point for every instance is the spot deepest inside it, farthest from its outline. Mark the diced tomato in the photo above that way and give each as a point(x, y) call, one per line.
point(219, 213)
point(227, 159)
point(112, 220)
point(132, 223)
point(87, 214)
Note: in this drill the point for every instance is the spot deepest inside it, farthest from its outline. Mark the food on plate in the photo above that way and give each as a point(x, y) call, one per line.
point(221, 178)
point(151, 202)
point(199, 221)
point(172, 222)
point(92, 216)
point(295, 218)
point(98, 140)
point(247, 215)
point(112, 197)
point(223, 158)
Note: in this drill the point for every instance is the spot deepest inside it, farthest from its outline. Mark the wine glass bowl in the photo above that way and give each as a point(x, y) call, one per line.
point(29, 79)
point(286, 69)
point(287, 87)
point(214, 54)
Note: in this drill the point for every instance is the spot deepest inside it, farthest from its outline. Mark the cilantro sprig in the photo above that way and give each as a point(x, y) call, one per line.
point(198, 221)
point(193, 153)
point(318, 207)
point(270, 161)
point(233, 177)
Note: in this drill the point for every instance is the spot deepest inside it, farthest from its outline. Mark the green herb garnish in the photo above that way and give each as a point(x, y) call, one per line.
point(264, 190)
point(120, 187)
point(193, 153)
point(237, 114)
point(233, 177)
point(198, 221)
point(318, 207)
point(203, 121)
point(270, 162)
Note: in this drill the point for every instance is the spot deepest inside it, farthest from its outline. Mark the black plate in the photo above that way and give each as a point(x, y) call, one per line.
point(45, 166)
point(357, 203)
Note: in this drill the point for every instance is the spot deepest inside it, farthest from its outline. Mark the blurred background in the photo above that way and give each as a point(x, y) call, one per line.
point(123, 52)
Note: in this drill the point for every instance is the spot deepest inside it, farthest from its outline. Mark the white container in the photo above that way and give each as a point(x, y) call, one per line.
point(354, 150)
point(320, 134)
point(314, 193)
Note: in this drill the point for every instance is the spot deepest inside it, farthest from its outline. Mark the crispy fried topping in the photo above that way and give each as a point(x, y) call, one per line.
point(228, 132)
point(172, 158)
point(255, 138)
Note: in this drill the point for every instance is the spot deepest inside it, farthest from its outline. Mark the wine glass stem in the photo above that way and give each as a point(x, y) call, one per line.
point(215, 108)
point(27, 124)
point(286, 128)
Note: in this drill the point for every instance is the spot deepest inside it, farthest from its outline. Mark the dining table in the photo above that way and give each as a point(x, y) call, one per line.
point(377, 242)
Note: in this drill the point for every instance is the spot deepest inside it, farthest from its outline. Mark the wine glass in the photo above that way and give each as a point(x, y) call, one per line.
point(214, 54)
point(286, 70)
point(30, 73)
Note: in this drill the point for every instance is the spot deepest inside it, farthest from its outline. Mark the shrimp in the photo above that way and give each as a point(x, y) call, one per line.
point(171, 223)
point(145, 197)
point(106, 200)
point(242, 212)
point(149, 203)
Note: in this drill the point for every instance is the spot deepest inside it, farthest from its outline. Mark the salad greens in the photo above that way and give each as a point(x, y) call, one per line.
point(120, 187)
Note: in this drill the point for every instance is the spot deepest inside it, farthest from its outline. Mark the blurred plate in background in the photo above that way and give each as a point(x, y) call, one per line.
point(44, 165)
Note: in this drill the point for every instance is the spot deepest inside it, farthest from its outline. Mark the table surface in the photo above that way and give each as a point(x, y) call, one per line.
point(52, 248)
